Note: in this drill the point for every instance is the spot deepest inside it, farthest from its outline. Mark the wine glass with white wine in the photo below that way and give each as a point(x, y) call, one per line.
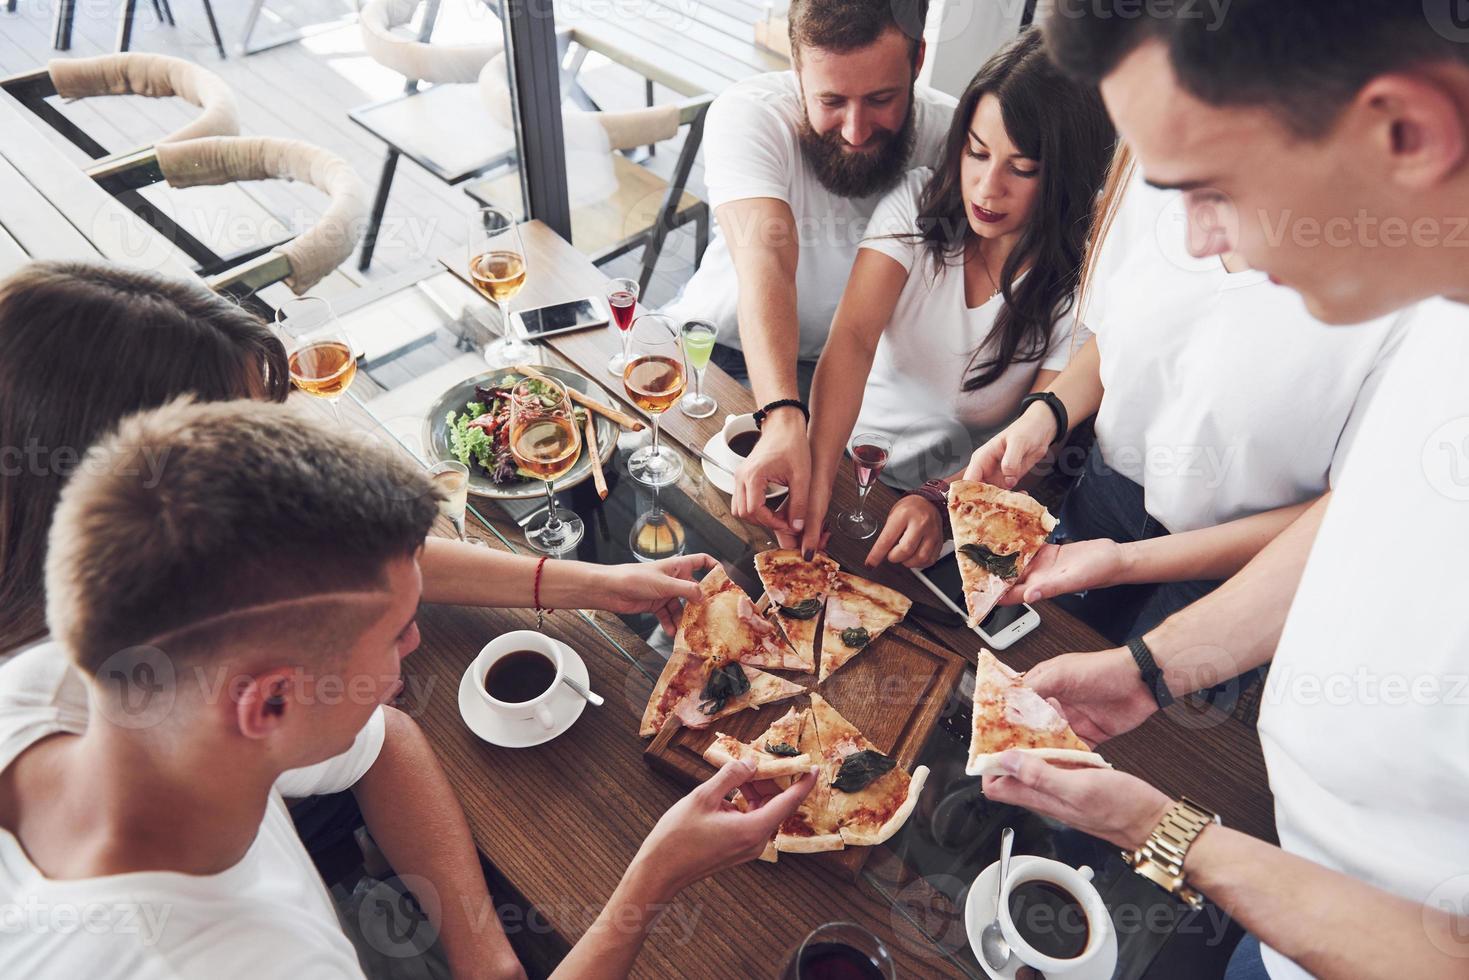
point(318, 350)
point(497, 268)
point(452, 478)
point(545, 440)
point(655, 378)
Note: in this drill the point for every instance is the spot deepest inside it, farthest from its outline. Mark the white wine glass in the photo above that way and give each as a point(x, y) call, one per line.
point(497, 267)
point(545, 440)
point(318, 350)
point(654, 379)
point(698, 347)
point(452, 477)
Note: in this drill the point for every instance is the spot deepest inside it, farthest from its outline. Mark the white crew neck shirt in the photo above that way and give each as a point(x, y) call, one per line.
point(1365, 716)
point(914, 391)
point(1223, 397)
point(752, 149)
point(267, 916)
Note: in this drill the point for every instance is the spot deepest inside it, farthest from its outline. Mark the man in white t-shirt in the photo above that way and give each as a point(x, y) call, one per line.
point(795, 163)
point(1328, 145)
point(231, 590)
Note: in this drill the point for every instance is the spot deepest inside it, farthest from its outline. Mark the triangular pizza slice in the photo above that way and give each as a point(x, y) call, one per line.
point(797, 590)
point(725, 625)
point(857, 612)
point(813, 827)
point(775, 754)
point(996, 534)
point(1009, 715)
point(871, 796)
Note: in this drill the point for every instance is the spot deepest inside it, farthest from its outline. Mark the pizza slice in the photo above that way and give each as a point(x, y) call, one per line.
point(1009, 715)
point(768, 765)
point(725, 625)
point(857, 612)
point(770, 854)
point(996, 534)
point(871, 796)
point(797, 590)
point(813, 827)
point(778, 741)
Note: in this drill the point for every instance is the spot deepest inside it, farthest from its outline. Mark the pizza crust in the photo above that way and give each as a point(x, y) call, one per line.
point(988, 763)
point(767, 766)
point(793, 844)
point(854, 838)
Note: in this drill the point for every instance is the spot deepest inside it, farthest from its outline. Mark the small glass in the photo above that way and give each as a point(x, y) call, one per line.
point(319, 351)
point(497, 267)
point(452, 477)
point(622, 301)
point(698, 346)
point(870, 451)
point(656, 534)
point(654, 379)
point(840, 949)
point(545, 440)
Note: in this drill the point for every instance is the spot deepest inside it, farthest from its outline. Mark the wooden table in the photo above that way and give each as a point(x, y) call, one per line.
point(557, 824)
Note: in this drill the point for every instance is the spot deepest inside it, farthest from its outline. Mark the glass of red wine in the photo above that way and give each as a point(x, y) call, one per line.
point(622, 298)
point(840, 951)
point(869, 455)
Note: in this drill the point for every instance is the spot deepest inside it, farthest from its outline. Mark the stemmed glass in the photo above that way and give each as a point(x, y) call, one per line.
point(870, 452)
point(497, 269)
point(698, 344)
point(622, 298)
point(452, 477)
point(319, 351)
point(546, 441)
point(654, 379)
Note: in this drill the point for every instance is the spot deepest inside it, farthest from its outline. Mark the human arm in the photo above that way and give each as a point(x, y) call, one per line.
point(1331, 924)
point(863, 314)
point(1206, 553)
point(1020, 445)
point(700, 835)
point(461, 574)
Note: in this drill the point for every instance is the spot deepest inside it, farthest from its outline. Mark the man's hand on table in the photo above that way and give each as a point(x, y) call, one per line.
point(1105, 803)
point(782, 455)
point(912, 537)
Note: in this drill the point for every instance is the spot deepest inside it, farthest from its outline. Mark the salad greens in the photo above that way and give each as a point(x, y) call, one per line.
point(479, 436)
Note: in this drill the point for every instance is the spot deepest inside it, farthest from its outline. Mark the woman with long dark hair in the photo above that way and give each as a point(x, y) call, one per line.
point(959, 303)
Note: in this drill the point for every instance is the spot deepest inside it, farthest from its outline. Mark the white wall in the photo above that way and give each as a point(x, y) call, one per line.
point(961, 36)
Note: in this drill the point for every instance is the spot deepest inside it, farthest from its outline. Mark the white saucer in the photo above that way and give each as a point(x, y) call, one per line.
point(566, 707)
point(979, 911)
point(722, 478)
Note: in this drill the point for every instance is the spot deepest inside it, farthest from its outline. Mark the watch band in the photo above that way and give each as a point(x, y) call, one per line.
point(1160, 859)
point(1058, 409)
point(1152, 674)
point(764, 411)
point(936, 492)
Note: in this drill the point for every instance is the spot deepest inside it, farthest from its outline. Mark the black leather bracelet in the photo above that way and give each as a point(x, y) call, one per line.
point(763, 413)
point(1057, 407)
point(1152, 674)
point(936, 492)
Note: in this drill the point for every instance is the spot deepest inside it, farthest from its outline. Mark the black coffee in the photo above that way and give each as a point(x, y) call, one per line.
point(743, 443)
point(836, 961)
point(520, 676)
point(1050, 918)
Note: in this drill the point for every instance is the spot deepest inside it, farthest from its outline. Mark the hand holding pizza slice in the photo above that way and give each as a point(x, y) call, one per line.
point(1009, 715)
point(996, 534)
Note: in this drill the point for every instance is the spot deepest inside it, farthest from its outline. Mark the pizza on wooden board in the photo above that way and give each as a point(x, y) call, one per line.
point(871, 796)
point(724, 623)
point(813, 827)
point(996, 534)
point(857, 612)
point(778, 741)
point(775, 754)
point(1009, 715)
point(797, 590)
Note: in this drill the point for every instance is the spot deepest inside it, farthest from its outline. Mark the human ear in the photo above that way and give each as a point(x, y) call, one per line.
point(1416, 126)
point(262, 701)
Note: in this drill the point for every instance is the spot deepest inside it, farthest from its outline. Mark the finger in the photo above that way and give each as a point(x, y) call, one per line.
point(666, 620)
point(1037, 774)
point(731, 775)
point(684, 566)
point(786, 540)
point(1008, 789)
point(892, 531)
point(907, 545)
point(776, 809)
point(1012, 465)
point(982, 464)
point(926, 553)
point(797, 487)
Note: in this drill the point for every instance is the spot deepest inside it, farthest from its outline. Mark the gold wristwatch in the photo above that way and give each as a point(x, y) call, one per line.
point(1160, 859)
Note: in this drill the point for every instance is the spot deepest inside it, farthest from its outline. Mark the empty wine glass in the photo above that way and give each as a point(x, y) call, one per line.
point(319, 351)
point(869, 455)
point(497, 267)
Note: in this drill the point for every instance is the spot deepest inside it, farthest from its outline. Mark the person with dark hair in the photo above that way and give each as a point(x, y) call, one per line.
point(959, 303)
point(202, 622)
point(795, 163)
point(1327, 144)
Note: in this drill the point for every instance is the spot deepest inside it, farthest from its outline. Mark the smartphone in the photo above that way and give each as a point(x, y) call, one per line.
point(1002, 627)
point(581, 314)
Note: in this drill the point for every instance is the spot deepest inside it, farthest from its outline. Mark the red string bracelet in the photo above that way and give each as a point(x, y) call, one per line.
point(536, 595)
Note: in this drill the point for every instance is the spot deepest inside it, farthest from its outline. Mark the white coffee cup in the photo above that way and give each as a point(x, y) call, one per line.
point(717, 448)
point(504, 645)
point(1076, 881)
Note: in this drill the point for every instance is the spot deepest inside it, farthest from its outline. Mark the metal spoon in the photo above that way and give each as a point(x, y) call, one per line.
point(592, 698)
point(992, 941)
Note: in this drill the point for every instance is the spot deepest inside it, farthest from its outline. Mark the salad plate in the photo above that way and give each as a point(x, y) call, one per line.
point(439, 434)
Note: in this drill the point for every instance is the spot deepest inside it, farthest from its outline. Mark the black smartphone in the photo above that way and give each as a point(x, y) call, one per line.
point(580, 314)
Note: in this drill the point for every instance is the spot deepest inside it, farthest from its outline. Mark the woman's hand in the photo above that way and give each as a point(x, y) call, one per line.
point(1014, 452)
point(653, 587)
point(912, 537)
point(1105, 803)
point(781, 455)
point(1101, 694)
point(1061, 569)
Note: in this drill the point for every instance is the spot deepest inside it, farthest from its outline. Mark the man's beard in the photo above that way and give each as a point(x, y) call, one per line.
point(861, 173)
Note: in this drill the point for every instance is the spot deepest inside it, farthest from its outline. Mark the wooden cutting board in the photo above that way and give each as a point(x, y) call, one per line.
point(894, 692)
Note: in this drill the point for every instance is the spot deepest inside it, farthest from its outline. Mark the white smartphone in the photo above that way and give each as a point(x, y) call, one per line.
point(1002, 627)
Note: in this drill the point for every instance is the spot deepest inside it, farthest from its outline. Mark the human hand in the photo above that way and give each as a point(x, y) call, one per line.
point(657, 587)
point(704, 833)
point(1015, 450)
point(1060, 569)
point(782, 455)
point(912, 537)
point(1105, 803)
point(1101, 694)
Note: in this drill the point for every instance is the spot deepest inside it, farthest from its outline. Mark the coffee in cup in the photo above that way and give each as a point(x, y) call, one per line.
point(520, 676)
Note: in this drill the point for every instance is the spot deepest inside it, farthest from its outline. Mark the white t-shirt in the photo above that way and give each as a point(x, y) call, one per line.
point(752, 149)
point(1365, 716)
point(914, 391)
point(268, 916)
point(1224, 396)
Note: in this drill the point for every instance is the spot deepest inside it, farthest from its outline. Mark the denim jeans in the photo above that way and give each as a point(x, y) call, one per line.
point(1246, 963)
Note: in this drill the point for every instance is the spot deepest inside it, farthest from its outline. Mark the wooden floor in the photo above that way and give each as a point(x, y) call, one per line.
point(304, 91)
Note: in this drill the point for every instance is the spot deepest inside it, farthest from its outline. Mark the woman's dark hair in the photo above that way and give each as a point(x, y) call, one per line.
point(81, 347)
point(1064, 127)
